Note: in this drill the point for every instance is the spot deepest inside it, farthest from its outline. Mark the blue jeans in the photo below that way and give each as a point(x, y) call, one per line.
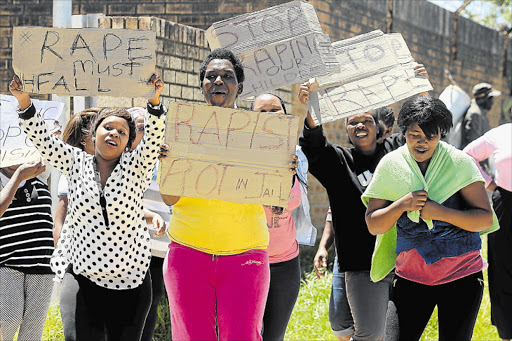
point(340, 315)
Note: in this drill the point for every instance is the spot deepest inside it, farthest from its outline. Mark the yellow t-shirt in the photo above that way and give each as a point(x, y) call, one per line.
point(218, 227)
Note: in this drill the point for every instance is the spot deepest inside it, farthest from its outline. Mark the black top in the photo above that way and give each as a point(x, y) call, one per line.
point(345, 174)
point(26, 239)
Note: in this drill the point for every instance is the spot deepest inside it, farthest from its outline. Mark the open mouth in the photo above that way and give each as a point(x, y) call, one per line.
point(111, 144)
point(361, 133)
point(421, 150)
point(218, 92)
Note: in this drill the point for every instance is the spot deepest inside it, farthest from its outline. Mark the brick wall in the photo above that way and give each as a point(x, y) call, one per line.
point(180, 50)
point(18, 13)
point(195, 13)
point(426, 27)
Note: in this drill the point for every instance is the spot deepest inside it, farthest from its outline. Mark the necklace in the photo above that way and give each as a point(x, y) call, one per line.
point(103, 202)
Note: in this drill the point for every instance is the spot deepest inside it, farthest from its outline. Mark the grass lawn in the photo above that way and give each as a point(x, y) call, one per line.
point(310, 319)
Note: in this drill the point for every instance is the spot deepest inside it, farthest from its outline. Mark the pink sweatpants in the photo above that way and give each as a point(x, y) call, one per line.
point(204, 289)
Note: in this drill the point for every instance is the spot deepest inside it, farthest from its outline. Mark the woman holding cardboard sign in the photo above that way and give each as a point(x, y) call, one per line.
point(216, 271)
point(106, 291)
point(345, 173)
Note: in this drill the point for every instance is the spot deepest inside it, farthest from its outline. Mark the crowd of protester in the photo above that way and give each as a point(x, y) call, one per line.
point(407, 211)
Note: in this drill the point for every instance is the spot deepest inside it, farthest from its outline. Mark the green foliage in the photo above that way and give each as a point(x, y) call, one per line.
point(163, 324)
point(310, 320)
point(500, 12)
point(310, 317)
point(53, 327)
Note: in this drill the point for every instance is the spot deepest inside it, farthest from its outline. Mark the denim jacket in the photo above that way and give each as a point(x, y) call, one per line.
point(306, 232)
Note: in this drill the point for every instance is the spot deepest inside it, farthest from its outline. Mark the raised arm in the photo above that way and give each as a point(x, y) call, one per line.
point(53, 149)
point(321, 154)
point(146, 152)
point(304, 90)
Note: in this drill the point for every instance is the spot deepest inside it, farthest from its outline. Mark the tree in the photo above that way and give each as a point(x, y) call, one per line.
point(498, 17)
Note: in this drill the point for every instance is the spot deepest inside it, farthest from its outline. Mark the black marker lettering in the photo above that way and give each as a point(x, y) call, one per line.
point(75, 46)
point(47, 45)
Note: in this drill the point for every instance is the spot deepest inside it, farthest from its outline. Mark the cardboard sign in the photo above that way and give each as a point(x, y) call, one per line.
point(376, 70)
point(15, 146)
point(84, 62)
point(278, 46)
point(228, 154)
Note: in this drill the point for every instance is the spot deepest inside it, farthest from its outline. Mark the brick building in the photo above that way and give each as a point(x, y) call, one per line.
point(427, 28)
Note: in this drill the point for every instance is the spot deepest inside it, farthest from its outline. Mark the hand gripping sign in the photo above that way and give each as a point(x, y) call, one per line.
point(377, 69)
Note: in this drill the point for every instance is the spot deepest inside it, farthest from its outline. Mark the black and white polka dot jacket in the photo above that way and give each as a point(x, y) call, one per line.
point(116, 256)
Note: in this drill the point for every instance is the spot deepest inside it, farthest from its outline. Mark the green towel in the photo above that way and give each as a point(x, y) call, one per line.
point(398, 174)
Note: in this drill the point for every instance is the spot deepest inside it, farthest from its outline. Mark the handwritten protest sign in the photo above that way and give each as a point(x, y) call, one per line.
point(278, 46)
point(87, 61)
point(228, 154)
point(404, 57)
point(15, 147)
point(376, 70)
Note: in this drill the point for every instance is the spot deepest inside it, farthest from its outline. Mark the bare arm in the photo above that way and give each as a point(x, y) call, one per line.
point(8, 193)
point(304, 90)
point(382, 215)
point(60, 216)
point(156, 220)
point(475, 219)
point(24, 172)
point(169, 199)
point(321, 257)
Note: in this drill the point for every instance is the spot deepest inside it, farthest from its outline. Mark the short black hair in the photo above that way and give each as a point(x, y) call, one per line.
point(119, 112)
point(273, 94)
point(222, 53)
point(386, 115)
point(430, 113)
